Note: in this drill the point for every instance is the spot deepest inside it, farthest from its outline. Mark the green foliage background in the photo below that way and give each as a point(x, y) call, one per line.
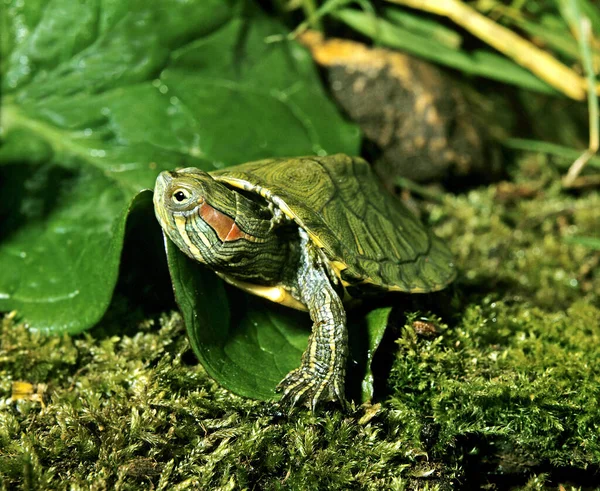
point(100, 97)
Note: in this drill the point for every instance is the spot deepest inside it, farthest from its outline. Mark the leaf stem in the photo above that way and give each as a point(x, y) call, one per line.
point(310, 10)
point(12, 117)
point(582, 27)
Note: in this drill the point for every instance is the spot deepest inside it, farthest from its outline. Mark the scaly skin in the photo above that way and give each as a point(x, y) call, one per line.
point(321, 374)
point(247, 240)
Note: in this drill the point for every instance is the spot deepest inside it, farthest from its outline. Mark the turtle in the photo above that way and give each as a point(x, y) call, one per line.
point(310, 233)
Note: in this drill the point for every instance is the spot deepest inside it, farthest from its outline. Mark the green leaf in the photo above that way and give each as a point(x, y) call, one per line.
point(245, 343)
point(249, 344)
point(98, 97)
point(589, 242)
point(64, 281)
point(376, 321)
point(424, 26)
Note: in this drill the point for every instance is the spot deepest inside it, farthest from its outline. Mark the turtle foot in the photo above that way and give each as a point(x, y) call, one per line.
point(303, 385)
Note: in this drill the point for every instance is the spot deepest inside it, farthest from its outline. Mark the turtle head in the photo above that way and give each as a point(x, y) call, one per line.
point(180, 191)
point(194, 211)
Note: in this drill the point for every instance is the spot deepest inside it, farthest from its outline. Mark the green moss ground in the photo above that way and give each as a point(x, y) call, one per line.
point(505, 395)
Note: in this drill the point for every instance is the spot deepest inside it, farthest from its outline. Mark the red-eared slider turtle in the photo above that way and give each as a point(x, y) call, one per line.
point(307, 232)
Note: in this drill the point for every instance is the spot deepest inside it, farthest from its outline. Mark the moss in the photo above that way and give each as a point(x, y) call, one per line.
point(517, 383)
point(132, 412)
point(505, 395)
point(511, 238)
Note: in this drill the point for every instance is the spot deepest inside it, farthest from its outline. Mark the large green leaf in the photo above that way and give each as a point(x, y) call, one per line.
point(100, 96)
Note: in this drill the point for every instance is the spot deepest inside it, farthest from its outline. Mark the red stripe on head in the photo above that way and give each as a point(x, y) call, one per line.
point(223, 225)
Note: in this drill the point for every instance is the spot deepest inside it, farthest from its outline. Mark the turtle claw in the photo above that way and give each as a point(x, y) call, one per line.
point(304, 385)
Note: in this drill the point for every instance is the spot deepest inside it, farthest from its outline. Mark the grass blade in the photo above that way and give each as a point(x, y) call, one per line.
point(582, 28)
point(485, 64)
point(424, 27)
point(589, 242)
point(550, 149)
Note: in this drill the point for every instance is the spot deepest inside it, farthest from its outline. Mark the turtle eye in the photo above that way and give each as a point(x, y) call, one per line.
point(180, 195)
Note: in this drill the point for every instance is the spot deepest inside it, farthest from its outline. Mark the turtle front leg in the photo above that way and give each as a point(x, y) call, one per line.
point(321, 374)
point(322, 371)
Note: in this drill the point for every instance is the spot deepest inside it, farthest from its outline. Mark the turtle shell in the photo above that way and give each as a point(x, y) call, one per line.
point(373, 242)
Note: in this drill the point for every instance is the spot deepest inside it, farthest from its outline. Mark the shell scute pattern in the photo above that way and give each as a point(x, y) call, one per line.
point(345, 210)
